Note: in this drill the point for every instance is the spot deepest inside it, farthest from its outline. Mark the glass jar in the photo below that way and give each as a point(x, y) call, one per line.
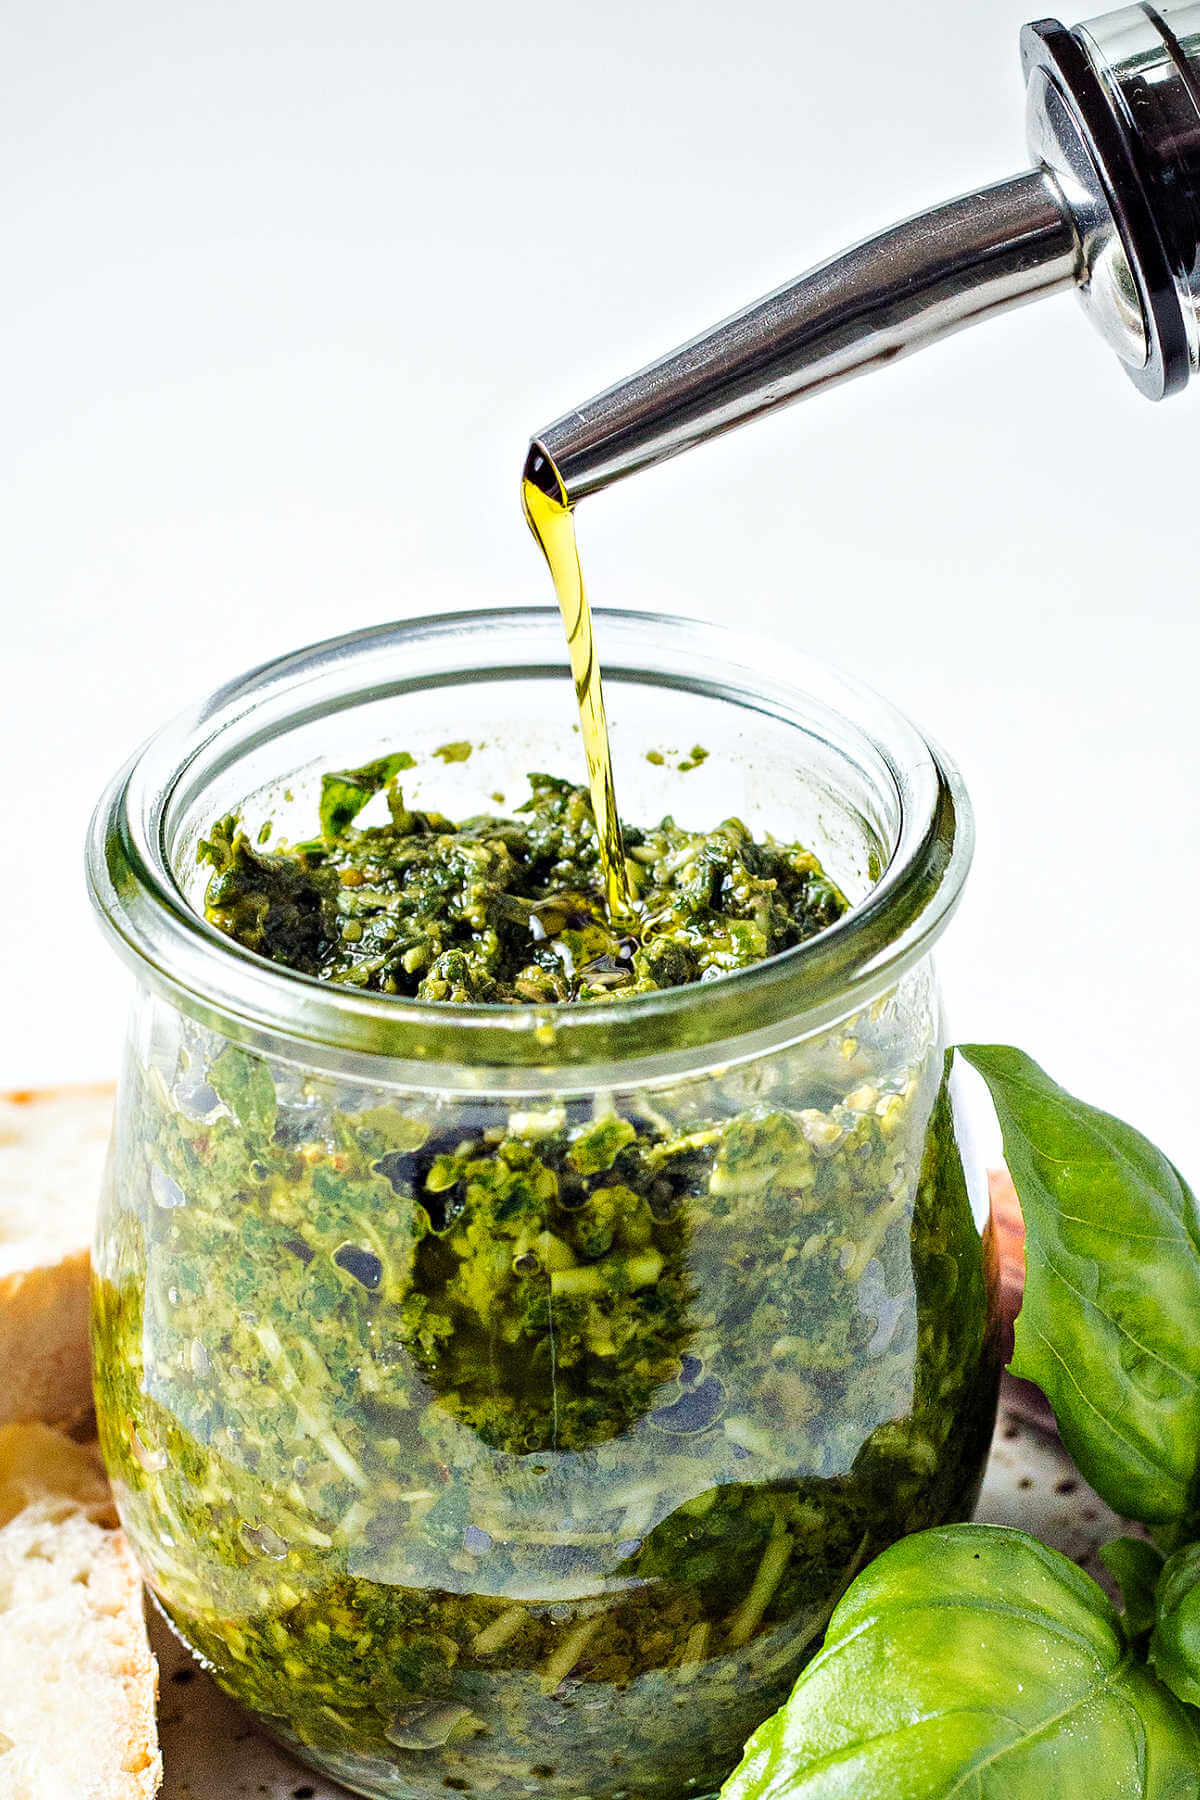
point(500, 1398)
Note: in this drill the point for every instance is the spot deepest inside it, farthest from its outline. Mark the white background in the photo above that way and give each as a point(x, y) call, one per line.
point(288, 286)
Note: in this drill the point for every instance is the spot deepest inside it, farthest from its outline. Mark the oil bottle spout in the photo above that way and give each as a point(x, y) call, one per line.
point(891, 294)
point(1110, 209)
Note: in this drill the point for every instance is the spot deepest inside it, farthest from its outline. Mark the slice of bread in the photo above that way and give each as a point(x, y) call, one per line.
point(52, 1150)
point(77, 1678)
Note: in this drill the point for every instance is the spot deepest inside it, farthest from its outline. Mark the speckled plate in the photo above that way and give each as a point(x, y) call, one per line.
point(213, 1752)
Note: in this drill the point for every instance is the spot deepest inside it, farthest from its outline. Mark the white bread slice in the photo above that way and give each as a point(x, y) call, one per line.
point(77, 1678)
point(52, 1150)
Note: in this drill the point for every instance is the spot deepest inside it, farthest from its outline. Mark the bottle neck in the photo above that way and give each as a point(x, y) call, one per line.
point(1114, 113)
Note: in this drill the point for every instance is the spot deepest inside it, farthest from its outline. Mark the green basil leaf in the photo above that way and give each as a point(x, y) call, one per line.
point(973, 1662)
point(1136, 1566)
point(244, 1083)
point(345, 792)
point(1112, 1292)
point(1175, 1645)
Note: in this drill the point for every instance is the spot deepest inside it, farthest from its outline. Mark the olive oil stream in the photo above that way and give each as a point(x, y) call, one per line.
point(553, 525)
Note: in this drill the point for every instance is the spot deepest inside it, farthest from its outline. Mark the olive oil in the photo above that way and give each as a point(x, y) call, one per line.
point(553, 525)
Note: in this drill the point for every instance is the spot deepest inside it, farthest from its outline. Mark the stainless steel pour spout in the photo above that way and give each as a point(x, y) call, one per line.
point(1111, 208)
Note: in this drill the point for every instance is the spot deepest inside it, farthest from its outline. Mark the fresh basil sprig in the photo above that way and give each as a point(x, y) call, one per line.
point(1110, 1325)
point(971, 1662)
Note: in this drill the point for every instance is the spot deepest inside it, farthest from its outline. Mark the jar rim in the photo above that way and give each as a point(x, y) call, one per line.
point(215, 980)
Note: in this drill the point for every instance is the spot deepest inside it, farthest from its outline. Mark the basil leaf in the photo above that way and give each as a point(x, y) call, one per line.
point(1136, 1567)
point(1175, 1645)
point(973, 1662)
point(345, 792)
point(1112, 1292)
point(244, 1083)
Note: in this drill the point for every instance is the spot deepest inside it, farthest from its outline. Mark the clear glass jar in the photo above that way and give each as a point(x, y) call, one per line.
point(497, 1398)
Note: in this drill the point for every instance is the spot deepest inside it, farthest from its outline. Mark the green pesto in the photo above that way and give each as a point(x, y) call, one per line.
point(435, 1441)
point(508, 910)
point(489, 1448)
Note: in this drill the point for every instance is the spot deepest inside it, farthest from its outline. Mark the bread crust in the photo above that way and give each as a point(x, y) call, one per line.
point(44, 1344)
point(45, 1358)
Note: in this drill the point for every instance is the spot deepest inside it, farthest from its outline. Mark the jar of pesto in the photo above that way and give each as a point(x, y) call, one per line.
point(500, 1397)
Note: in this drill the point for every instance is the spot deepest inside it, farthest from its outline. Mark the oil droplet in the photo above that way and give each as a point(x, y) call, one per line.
point(167, 1192)
point(153, 1461)
point(263, 1541)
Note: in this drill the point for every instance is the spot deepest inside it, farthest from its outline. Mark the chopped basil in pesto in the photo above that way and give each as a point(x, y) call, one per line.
point(484, 1444)
point(512, 910)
